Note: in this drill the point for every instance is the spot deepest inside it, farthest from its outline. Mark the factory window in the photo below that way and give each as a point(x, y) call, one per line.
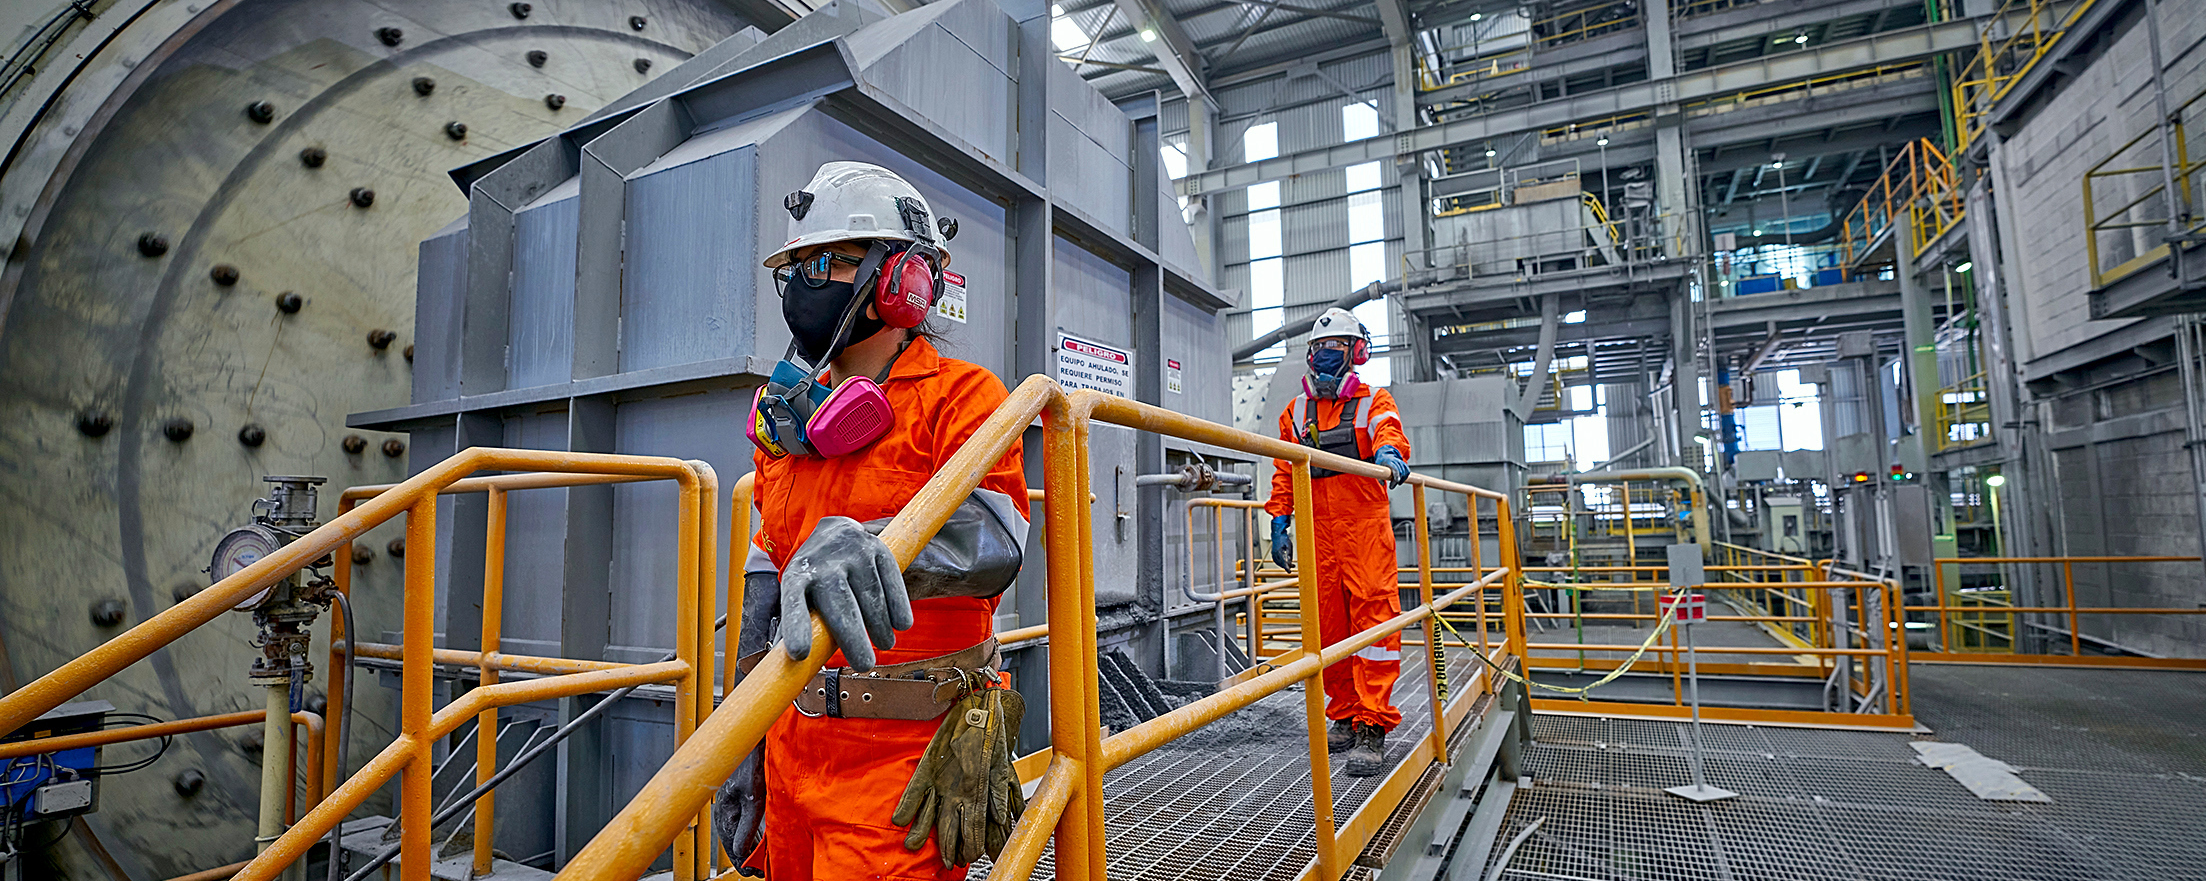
point(1066, 33)
point(1366, 217)
point(1799, 417)
point(1267, 290)
point(1583, 441)
point(1359, 121)
point(1175, 161)
point(1260, 142)
point(1264, 195)
point(1264, 234)
point(1363, 177)
point(1547, 443)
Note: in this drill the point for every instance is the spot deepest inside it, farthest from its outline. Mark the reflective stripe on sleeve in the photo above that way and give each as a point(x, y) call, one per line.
point(1376, 653)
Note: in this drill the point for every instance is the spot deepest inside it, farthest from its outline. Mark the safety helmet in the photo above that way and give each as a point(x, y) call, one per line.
point(1337, 322)
point(858, 201)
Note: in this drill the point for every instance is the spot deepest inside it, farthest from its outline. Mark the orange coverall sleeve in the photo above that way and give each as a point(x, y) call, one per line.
point(1386, 424)
point(973, 397)
point(1281, 502)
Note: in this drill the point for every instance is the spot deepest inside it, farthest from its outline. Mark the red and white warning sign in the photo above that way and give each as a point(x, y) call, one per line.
point(1686, 608)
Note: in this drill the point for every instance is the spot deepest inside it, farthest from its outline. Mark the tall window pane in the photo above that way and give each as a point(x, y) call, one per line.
point(1260, 143)
point(1264, 234)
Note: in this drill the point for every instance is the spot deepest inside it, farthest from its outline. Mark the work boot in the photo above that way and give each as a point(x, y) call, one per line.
point(1341, 735)
point(1368, 757)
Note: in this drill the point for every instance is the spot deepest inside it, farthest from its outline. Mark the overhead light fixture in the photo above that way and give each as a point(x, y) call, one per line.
point(1996, 481)
point(1148, 35)
point(1489, 153)
point(1965, 266)
point(1603, 142)
point(1777, 164)
point(1802, 39)
point(1477, 15)
point(1757, 232)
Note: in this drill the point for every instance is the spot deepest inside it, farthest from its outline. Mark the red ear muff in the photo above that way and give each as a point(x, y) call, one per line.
point(1361, 352)
point(906, 289)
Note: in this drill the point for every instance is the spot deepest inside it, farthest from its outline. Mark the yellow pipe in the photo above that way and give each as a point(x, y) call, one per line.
point(1051, 798)
point(416, 678)
point(486, 725)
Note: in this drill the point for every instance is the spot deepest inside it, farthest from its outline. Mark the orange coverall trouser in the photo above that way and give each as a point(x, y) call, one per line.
point(1356, 590)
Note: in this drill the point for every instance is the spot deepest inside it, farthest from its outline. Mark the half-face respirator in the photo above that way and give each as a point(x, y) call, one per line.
point(796, 412)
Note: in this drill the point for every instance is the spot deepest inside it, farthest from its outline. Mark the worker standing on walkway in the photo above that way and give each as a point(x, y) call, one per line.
point(1356, 584)
point(909, 724)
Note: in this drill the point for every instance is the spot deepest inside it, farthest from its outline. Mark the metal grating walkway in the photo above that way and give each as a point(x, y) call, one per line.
point(1232, 801)
point(2122, 753)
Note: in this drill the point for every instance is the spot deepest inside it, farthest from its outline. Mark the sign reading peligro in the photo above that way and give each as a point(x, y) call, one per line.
point(1082, 364)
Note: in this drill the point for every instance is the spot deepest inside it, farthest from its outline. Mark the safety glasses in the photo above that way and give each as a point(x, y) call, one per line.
point(815, 271)
point(1335, 343)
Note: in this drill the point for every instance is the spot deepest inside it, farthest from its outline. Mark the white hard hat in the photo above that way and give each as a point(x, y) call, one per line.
point(857, 201)
point(1339, 323)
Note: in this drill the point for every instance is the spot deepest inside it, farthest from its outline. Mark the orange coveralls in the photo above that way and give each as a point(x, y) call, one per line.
point(1356, 582)
point(831, 784)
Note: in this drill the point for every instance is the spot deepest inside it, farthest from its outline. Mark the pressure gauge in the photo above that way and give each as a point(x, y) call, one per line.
point(241, 548)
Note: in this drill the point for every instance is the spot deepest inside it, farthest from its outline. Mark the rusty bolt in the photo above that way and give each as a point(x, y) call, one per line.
point(289, 302)
point(390, 36)
point(397, 548)
point(354, 443)
point(555, 101)
point(362, 197)
point(250, 741)
point(409, 353)
point(313, 157)
point(394, 448)
point(223, 274)
point(188, 782)
point(107, 612)
point(381, 339)
point(185, 591)
point(152, 244)
point(643, 65)
point(456, 130)
point(261, 112)
point(537, 57)
point(362, 555)
point(636, 22)
point(519, 10)
point(94, 423)
point(252, 435)
point(177, 429)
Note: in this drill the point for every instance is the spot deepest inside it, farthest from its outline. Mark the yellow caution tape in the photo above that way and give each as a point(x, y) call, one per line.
point(1580, 691)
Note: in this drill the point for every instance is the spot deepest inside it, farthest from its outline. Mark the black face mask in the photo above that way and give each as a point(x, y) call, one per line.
point(814, 314)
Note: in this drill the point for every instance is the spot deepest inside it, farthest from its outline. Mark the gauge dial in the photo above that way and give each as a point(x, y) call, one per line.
point(241, 548)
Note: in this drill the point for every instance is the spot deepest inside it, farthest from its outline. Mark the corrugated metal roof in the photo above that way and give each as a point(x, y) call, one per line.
point(1214, 27)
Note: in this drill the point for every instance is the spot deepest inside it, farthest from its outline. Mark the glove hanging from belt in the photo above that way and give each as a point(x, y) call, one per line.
point(965, 790)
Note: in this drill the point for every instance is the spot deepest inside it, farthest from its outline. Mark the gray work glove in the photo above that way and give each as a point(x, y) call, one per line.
point(850, 578)
point(738, 810)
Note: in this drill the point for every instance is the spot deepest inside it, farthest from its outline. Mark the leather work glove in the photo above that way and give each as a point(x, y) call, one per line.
point(1392, 459)
point(965, 790)
point(850, 578)
point(737, 810)
point(1283, 541)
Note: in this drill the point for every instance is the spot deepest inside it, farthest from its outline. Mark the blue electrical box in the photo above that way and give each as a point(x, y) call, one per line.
point(69, 777)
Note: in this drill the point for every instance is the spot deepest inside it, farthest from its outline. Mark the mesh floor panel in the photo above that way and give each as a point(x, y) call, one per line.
point(1233, 799)
point(2122, 754)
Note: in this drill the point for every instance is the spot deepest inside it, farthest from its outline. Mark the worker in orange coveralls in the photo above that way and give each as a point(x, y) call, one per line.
point(1356, 583)
point(859, 416)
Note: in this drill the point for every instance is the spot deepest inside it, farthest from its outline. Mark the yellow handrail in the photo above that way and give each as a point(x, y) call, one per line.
point(409, 755)
point(1069, 800)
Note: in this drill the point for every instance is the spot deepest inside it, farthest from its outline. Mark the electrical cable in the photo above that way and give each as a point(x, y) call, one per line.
point(467, 801)
point(134, 764)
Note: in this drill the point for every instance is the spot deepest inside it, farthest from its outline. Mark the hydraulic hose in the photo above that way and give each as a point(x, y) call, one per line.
point(344, 734)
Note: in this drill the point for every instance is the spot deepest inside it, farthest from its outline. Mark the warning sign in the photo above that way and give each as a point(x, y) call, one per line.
point(1082, 364)
point(951, 303)
point(1172, 376)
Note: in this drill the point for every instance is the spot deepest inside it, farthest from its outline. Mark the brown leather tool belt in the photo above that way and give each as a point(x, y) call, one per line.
point(917, 690)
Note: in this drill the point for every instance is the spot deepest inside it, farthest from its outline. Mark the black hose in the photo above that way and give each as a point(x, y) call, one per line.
point(521, 761)
point(344, 734)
